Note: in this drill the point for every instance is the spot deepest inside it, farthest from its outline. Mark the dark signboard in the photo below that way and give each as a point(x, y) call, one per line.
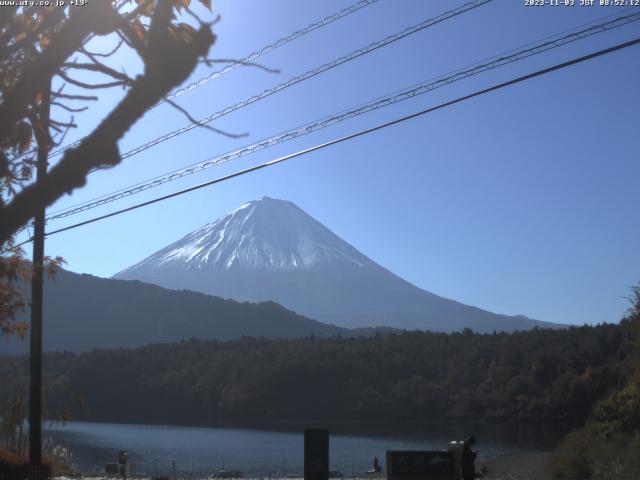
point(316, 454)
point(421, 464)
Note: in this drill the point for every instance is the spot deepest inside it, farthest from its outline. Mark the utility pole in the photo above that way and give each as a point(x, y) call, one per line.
point(41, 133)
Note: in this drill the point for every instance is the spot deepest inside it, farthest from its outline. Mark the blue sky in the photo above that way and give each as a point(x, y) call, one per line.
point(523, 201)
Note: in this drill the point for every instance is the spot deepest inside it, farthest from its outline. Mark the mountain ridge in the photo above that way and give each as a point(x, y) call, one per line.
point(83, 312)
point(270, 249)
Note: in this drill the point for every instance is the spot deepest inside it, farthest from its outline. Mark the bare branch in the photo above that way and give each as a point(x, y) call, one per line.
point(62, 137)
point(92, 86)
point(69, 109)
point(63, 124)
point(208, 127)
point(129, 36)
point(125, 39)
point(98, 54)
point(87, 39)
point(210, 61)
point(99, 67)
point(59, 91)
point(199, 20)
point(74, 97)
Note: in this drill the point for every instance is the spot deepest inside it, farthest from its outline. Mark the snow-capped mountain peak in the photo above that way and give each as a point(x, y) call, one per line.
point(263, 234)
point(272, 250)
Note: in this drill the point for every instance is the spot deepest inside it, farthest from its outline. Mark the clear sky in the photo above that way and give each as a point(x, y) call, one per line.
point(523, 201)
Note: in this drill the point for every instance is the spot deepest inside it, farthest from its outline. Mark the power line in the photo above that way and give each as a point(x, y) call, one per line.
point(252, 56)
point(283, 41)
point(307, 75)
point(535, 48)
point(360, 133)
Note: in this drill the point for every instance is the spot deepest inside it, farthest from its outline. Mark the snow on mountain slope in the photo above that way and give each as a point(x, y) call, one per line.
point(265, 234)
point(272, 250)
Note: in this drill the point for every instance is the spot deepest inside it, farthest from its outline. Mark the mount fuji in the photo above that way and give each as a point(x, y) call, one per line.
point(272, 250)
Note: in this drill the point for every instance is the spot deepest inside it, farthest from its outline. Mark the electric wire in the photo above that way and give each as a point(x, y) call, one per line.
point(534, 48)
point(264, 50)
point(307, 75)
point(249, 58)
point(357, 134)
point(295, 80)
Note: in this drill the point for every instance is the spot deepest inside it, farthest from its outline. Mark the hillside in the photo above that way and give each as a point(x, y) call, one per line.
point(271, 249)
point(84, 312)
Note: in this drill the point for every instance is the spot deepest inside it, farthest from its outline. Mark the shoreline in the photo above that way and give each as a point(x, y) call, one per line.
point(517, 466)
point(510, 466)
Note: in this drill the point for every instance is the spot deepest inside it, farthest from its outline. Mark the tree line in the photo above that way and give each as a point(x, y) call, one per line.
point(538, 374)
point(606, 447)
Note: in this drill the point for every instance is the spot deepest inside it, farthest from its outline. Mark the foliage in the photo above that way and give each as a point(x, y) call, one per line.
point(14, 409)
point(15, 275)
point(41, 47)
point(607, 446)
point(14, 404)
point(13, 269)
point(586, 453)
point(620, 412)
point(571, 458)
point(540, 374)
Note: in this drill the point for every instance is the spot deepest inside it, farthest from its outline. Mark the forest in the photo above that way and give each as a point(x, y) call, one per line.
point(606, 446)
point(532, 375)
point(586, 376)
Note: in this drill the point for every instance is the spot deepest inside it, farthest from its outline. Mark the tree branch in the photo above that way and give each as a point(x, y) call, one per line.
point(93, 17)
point(69, 109)
point(74, 97)
point(197, 122)
point(127, 35)
point(101, 68)
point(92, 86)
point(209, 61)
point(99, 54)
point(63, 124)
point(170, 65)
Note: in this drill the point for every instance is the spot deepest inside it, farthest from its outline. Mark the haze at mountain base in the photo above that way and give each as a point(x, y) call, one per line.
point(272, 250)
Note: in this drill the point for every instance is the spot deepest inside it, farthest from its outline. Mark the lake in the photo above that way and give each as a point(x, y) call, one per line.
point(278, 447)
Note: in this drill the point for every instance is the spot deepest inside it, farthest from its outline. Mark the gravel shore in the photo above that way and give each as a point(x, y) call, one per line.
point(518, 466)
point(513, 466)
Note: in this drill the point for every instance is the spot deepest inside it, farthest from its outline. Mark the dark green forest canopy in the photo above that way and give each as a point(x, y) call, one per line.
point(539, 374)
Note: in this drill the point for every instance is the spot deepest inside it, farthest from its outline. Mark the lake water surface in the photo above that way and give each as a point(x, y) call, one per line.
point(277, 448)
